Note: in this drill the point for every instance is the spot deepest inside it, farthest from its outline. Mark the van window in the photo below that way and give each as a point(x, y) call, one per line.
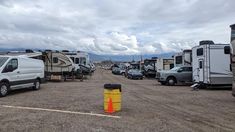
point(227, 50)
point(55, 60)
point(3, 60)
point(77, 60)
point(14, 63)
point(178, 59)
point(200, 52)
point(72, 58)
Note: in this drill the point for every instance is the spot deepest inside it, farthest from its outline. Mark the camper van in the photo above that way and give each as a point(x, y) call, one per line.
point(18, 72)
point(183, 58)
point(233, 56)
point(58, 66)
point(211, 65)
point(164, 64)
point(81, 59)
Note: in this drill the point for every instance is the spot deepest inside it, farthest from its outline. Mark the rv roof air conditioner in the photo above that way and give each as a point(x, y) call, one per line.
point(29, 51)
point(65, 50)
point(204, 42)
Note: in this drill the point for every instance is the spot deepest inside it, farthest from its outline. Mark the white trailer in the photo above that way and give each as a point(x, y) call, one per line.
point(183, 58)
point(233, 56)
point(211, 64)
point(164, 64)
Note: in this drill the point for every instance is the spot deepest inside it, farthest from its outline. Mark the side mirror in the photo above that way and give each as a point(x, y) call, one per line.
point(180, 70)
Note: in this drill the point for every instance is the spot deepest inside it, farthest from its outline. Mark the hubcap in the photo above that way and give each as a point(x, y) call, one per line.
point(4, 90)
point(37, 85)
point(171, 81)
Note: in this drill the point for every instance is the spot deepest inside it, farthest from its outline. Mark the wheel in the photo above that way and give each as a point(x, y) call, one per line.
point(4, 89)
point(171, 81)
point(36, 85)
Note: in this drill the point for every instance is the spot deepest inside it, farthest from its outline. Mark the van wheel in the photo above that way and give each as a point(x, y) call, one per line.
point(171, 81)
point(36, 85)
point(4, 89)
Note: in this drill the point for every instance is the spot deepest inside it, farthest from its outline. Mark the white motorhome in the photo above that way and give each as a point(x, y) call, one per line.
point(233, 55)
point(183, 58)
point(80, 59)
point(211, 64)
point(164, 64)
point(18, 72)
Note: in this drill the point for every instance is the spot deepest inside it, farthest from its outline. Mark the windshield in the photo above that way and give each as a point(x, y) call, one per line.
point(175, 68)
point(3, 60)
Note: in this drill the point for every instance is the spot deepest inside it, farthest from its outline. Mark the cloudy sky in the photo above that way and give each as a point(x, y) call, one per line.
point(114, 26)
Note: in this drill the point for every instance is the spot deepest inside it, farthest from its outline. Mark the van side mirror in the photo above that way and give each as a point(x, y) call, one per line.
point(180, 70)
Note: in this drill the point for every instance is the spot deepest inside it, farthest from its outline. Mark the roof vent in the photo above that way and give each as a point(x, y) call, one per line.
point(204, 42)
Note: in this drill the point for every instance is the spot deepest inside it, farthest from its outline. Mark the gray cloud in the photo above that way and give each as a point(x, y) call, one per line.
point(114, 27)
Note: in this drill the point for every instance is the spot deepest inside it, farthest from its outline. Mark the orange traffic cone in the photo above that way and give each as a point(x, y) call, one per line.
point(110, 106)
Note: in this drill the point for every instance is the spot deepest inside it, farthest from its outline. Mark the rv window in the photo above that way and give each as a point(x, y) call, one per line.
point(200, 52)
point(227, 50)
point(55, 60)
point(77, 60)
point(178, 59)
point(200, 64)
point(72, 58)
point(83, 60)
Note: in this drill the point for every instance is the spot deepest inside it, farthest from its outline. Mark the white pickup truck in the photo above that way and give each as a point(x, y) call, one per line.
point(18, 72)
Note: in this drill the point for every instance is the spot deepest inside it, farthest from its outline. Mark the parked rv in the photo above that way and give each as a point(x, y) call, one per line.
point(150, 68)
point(81, 59)
point(176, 75)
point(183, 58)
point(58, 66)
point(164, 64)
point(233, 55)
point(18, 72)
point(212, 64)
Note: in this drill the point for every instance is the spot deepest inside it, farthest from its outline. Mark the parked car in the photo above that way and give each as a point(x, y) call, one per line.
point(118, 71)
point(176, 75)
point(20, 72)
point(135, 74)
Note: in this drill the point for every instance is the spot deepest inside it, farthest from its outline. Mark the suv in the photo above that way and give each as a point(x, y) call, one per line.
point(175, 75)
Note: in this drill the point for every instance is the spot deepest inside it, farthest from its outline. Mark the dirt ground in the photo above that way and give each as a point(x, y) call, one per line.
point(146, 107)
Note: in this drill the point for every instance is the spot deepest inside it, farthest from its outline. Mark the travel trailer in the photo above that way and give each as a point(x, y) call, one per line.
point(233, 56)
point(150, 67)
point(81, 59)
point(17, 72)
point(211, 65)
point(164, 64)
point(183, 58)
point(58, 66)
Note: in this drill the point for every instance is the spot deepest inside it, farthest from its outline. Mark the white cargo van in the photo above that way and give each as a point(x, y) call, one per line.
point(18, 72)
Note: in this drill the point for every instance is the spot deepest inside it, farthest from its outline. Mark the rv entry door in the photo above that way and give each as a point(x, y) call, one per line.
point(201, 70)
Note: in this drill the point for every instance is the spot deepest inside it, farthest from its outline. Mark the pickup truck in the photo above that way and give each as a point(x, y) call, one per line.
point(176, 75)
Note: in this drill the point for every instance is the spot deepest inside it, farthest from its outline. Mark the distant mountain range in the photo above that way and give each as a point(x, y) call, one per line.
point(95, 57)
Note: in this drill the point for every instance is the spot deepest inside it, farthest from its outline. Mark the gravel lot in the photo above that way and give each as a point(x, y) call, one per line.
point(146, 106)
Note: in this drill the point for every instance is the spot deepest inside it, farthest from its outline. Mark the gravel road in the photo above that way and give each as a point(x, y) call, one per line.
point(147, 106)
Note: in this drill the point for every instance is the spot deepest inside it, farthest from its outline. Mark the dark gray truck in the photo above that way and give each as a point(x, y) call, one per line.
point(176, 75)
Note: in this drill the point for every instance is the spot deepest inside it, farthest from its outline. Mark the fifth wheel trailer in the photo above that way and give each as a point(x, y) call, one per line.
point(164, 64)
point(233, 56)
point(183, 58)
point(211, 65)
